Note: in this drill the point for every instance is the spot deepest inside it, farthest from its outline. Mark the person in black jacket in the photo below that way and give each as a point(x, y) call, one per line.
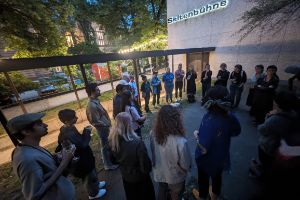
point(223, 75)
point(206, 79)
point(191, 77)
point(264, 92)
point(84, 168)
point(131, 154)
point(238, 78)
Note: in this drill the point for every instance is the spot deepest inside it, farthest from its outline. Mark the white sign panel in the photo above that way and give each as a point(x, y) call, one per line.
point(198, 12)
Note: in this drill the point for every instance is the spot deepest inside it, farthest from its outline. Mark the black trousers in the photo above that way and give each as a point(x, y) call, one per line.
point(139, 190)
point(203, 182)
point(156, 99)
point(147, 99)
point(205, 88)
point(170, 191)
point(178, 86)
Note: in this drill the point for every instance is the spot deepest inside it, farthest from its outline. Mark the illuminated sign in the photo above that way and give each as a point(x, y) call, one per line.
point(198, 12)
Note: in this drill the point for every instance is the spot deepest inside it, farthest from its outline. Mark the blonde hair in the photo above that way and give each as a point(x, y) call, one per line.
point(122, 128)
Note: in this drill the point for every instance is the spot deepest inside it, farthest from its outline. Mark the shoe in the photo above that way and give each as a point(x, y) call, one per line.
point(112, 167)
point(101, 193)
point(102, 184)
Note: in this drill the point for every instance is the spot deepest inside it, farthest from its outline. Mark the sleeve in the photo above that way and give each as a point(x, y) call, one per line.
point(144, 160)
point(152, 148)
point(227, 75)
point(235, 125)
point(134, 113)
point(219, 74)
point(81, 141)
point(32, 178)
point(202, 76)
point(184, 159)
point(195, 74)
point(207, 132)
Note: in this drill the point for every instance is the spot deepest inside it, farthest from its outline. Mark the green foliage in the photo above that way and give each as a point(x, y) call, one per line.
point(269, 16)
point(159, 42)
point(127, 21)
point(35, 28)
point(84, 48)
point(20, 81)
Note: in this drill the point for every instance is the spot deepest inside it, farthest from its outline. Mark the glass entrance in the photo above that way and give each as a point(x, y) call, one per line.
point(199, 60)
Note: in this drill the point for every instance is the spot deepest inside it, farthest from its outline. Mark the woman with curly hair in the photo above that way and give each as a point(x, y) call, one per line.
point(130, 152)
point(171, 158)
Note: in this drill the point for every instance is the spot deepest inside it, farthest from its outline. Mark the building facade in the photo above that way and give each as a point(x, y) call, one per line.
point(215, 23)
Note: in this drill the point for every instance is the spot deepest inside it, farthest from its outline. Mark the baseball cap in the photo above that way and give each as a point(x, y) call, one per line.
point(123, 82)
point(18, 123)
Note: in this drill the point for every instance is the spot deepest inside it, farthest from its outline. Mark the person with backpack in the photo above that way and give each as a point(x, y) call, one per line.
point(137, 120)
point(238, 79)
point(179, 74)
point(84, 168)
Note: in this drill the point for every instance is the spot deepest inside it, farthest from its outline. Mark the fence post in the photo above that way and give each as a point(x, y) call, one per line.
point(74, 86)
point(135, 67)
point(15, 91)
point(4, 123)
point(111, 79)
point(83, 75)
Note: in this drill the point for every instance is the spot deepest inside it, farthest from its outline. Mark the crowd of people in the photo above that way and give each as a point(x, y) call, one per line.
point(44, 175)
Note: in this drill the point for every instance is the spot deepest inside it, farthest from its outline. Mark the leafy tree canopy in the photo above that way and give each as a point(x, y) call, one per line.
point(35, 28)
point(269, 15)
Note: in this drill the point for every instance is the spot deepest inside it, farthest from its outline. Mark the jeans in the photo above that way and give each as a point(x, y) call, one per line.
point(178, 86)
point(169, 91)
point(91, 183)
point(170, 191)
point(156, 99)
point(235, 95)
point(203, 182)
point(103, 133)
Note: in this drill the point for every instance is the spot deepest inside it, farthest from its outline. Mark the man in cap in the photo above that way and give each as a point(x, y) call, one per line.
point(36, 168)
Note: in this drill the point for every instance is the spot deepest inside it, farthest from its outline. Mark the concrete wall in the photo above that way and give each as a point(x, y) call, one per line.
point(218, 29)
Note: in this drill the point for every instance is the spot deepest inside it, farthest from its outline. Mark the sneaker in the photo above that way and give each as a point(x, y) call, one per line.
point(101, 193)
point(102, 184)
point(112, 167)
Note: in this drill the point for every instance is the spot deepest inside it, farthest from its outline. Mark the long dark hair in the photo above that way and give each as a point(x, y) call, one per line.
point(168, 122)
point(125, 100)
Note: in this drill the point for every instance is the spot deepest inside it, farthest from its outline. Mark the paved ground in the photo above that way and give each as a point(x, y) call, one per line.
point(236, 185)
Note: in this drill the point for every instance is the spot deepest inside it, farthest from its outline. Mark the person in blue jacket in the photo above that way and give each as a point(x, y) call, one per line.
point(213, 140)
point(156, 88)
point(168, 79)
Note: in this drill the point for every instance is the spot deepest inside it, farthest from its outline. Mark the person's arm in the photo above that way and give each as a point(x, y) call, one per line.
point(143, 87)
point(34, 182)
point(184, 157)
point(195, 74)
point(209, 74)
point(206, 134)
point(244, 80)
point(144, 160)
point(95, 116)
point(78, 140)
point(135, 115)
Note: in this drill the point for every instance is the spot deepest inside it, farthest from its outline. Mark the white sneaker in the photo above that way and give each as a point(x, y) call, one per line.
point(101, 184)
point(101, 193)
